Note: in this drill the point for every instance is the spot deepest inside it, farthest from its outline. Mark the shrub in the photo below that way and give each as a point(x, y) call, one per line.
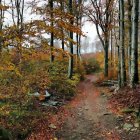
point(19, 112)
point(61, 85)
point(91, 65)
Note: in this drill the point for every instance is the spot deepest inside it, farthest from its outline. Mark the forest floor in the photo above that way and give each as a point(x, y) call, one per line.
point(88, 117)
point(91, 118)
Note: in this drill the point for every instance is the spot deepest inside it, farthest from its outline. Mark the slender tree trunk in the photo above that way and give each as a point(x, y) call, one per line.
point(77, 41)
point(111, 47)
point(62, 31)
point(134, 44)
point(52, 34)
point(106, 58)
point(122, 35)
point(63, 44)
point(79, 50)
point(1, 24)
point(70, 69)
point(106, 47)
point(130, 30)
point(119, 68)
point(80, 24)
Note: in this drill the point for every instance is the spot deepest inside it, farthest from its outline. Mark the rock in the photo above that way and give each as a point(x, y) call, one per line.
point(134, 129)
point(90, 119)
point(102, 94)
point(52, 126)
point(36, 94)
point(127, 126)
point(112, 88)
point(47, 94)
point(107, 113)
point(136, 125)
point(79, 114)
point(42, 97)
point(117, 127)
point(86, 108)
point(51, 103)
point(45, 104)
point(119, 118)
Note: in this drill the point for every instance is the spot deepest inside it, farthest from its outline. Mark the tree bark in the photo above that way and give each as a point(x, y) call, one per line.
point(70, 69)
point(111, 47)
point(52, 34)
point(122, 35)
point(130, 31)
point(134, 44)
point(106, 58)
point(62, 30)
point(1, 25)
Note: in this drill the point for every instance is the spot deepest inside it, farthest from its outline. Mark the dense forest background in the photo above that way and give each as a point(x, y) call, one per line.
point(45, 56)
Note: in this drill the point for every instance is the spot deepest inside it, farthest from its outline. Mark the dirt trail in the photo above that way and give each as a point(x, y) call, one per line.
point(89, 117)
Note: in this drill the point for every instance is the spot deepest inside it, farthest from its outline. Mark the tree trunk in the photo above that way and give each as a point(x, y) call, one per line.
point(62, 31)
point(130, 30)
point(106, 58)
point(52, 34)
point(1, 17)
point(134, 44)
point(77, 48)
point(70, 69)
point(111, 47)
point(122, 53)
point(119, 68)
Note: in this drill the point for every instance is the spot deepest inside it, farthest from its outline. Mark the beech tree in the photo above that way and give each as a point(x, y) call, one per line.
point(62, 30)
point(52, 34)
point(79, 14)
point(17, 7)
point(122, 49)
point(129, 11)
point(100, 15)
point(70, 69)
point(1, 23)
point(134, 43)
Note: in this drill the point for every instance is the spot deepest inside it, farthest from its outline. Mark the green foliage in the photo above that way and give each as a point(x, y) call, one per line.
point(20, 112)
point(91, 65)
point(80, 69)
point(61, 85)
point(5, 134)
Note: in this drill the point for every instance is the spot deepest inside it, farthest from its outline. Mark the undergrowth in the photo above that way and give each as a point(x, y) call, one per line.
point(19, 111)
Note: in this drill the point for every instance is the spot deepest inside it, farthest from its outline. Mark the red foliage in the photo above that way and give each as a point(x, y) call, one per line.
point(125, 98)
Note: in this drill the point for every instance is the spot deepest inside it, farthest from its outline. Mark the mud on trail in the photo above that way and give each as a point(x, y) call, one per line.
point(89, 117)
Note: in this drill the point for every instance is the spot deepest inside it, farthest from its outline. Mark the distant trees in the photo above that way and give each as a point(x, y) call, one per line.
point(62, 21)
point(117, 21)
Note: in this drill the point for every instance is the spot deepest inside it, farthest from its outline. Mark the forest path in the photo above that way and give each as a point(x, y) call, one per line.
point(89, 117)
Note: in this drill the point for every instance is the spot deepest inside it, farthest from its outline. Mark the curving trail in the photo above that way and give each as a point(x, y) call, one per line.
point(86, 117)
point(89, 119)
